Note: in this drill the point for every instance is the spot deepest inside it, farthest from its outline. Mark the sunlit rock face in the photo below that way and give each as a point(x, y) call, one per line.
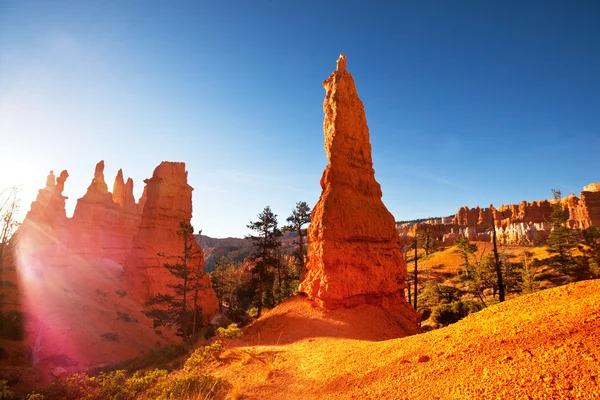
point(45, 225)
point(167, 202)
point(354, 252)
point(523, 223)
point(104, 224)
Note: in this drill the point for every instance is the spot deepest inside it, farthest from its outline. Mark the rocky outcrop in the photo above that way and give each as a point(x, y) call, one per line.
point(104, 224)
point(353, 254)
point(168, 202)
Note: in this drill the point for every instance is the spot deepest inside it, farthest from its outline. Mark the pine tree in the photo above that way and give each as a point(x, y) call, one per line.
point(561, 241)
point(590, 248)
point(266, 257)
point(497, 264)
point(300, 217)
point(174, 309)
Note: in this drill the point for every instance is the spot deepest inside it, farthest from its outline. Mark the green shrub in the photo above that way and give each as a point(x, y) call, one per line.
point(5, 392)
point(203, 354)
point(253, 312)
point(231, 332)
point(35, 396)
point(213, 350)
point(116, 385)
point(200, 386)
point(449, 313)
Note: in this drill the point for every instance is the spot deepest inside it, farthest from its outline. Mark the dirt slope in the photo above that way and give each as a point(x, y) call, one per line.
point(71, 313)
point(544, 345)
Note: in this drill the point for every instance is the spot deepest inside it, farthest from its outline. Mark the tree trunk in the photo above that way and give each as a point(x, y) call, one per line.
point(195, 319)
point(416, 277)
point(260, 299)
point(497, 259)
point(301, 254)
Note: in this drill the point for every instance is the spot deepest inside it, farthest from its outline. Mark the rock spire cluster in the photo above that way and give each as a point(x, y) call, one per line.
point(112, 226)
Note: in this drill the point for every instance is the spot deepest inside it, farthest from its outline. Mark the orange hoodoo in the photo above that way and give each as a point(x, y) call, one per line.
point(354, 253)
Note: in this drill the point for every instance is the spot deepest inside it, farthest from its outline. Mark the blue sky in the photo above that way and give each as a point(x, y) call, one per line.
point(468, 102)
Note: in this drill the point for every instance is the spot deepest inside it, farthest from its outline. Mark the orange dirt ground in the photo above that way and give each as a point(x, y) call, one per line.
point(541, 346)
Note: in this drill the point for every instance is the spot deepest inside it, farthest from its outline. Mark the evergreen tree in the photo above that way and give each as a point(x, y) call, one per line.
point(226, 283)
point(174, 309)
point(497, 264)
point(590, 248)
point(466, 249)
point(561, 241)
point(266, 257)
point(528, 283)
point(300, 217)
point(426, 241)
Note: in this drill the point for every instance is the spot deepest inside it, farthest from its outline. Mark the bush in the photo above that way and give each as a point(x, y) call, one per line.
point(213, 350)
point(115, 385)
point(449, 313)
point(231, 332)
point(186, 386)
point(203, 354)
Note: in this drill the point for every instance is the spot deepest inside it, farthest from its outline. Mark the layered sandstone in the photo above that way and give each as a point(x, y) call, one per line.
point(353, 255)
point(167, 203)
point(104, 223)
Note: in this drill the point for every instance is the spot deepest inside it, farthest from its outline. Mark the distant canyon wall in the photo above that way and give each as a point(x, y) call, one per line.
point(523, 223)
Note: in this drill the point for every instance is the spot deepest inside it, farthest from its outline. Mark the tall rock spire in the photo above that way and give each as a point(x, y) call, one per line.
point(354, 251)
point(118, 194)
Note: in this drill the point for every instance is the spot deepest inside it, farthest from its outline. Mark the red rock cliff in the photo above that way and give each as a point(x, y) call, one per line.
point(167, 202)
point(353, 255)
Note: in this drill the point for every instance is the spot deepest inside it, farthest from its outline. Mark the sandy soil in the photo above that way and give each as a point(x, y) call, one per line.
point(540, 346)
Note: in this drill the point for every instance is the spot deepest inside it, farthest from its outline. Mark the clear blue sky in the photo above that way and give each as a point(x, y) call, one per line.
point(468, 102)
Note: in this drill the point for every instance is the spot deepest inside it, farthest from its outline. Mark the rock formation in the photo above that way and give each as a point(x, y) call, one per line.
point(523, 223)
point(168, 202)
point(103, 224)
point(44, 226)
point(353, 255)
